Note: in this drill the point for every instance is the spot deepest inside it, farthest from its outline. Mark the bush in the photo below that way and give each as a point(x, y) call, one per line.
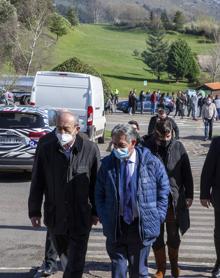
point(136, 53)
point(75, 65)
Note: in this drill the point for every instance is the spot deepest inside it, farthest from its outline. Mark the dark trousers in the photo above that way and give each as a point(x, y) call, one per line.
point(173, 237)
point(217, 235)
point(72, 253)
point(128, 248)
point(208, 128)
point(50, 252)
point(134, 108)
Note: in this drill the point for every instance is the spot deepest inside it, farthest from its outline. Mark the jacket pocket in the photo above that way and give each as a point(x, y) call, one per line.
point(150, 221)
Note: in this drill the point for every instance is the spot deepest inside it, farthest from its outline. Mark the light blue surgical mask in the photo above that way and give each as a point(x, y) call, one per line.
point(121, 153)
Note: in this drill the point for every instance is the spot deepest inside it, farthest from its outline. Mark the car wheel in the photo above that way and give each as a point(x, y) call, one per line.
point(101, 140)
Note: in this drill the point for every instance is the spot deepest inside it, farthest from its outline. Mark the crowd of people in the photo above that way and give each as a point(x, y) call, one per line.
point(187, 105)
point(144, 184)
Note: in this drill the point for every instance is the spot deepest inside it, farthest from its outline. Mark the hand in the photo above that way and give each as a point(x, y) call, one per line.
point(94, 220)
point(205, 203)
point(36, 222)
point(189, 202)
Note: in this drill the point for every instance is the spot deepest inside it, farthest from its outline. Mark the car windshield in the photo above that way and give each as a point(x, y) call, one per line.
point(20, 120)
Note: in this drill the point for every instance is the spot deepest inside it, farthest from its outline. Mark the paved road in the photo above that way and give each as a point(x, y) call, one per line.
point(22, 247)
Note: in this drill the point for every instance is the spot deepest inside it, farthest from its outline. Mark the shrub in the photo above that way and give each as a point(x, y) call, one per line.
point(136, 53)
point(75, 65)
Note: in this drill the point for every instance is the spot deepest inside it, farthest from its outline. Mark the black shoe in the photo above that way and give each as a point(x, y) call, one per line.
point(48, 270)
point(216, 271)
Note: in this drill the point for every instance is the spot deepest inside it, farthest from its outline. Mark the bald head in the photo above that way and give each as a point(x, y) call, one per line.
point(67, 122)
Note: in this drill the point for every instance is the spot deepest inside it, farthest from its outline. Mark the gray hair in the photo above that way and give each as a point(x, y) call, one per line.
point(125, 129)
point(61, 112)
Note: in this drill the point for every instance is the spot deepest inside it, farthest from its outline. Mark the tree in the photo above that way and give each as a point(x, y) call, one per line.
point(8, 28)
point(181, 62)
point(156, 54)
point(31, 43)
point(165, 21)
point(213, 66)
point(75, 65)
point(178, 20)
point(155, 23)
point(72, 17)
point(193, 71)
point(58, 25)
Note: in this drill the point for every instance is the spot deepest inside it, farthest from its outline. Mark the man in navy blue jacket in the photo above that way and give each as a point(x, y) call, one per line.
point(131, 200)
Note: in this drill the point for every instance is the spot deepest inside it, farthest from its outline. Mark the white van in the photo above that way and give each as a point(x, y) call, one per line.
point(81, 93)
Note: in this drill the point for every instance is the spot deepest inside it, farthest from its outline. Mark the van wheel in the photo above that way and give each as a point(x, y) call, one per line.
point(101, 140)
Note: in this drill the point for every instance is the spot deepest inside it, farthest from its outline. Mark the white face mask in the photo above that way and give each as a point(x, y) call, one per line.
point(65, 138)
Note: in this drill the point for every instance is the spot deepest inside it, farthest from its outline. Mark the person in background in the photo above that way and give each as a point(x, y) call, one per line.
point(210, 194)
point(136, 127)
point(109, 105)
point(175, 158)
point(161, 115)
point(116, 96)
point(201, 102)
point(122, 195)
point(142, 98)
point(134, 101)
point(208, 114)
point(217, 104)
point(161, 102)
point(177, 112)
point(153, 100)
point(130, 102)
point(194, 106)
point(189, 104)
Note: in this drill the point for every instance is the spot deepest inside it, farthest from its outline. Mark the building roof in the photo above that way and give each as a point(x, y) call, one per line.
point(212, 86)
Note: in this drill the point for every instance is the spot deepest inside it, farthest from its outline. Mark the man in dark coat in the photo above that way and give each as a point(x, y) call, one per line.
point(173, 154)
point(65, 174)
point(49, 266)
point(162, 116)
point(210, 193)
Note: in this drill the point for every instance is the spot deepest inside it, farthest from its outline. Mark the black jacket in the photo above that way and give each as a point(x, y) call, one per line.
point(210, 178)
point(153, 122)
point(67, 185)
point(180, 176)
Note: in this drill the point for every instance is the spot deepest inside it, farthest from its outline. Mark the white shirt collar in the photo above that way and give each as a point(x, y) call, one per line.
point(132, 158)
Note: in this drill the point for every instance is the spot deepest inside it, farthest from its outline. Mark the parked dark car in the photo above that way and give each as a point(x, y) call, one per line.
point(123, 105)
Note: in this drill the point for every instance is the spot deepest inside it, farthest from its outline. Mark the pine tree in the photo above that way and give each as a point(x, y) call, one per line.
point(72, 17)
point(165, 21)
point(193, 71)
point(156, 54)
point(178, 20)
point(181, 62)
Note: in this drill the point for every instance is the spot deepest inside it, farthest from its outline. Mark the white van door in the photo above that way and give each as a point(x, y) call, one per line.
point(97, 98)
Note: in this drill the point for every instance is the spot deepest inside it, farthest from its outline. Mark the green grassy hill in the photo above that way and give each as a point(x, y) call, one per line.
point(110, 51)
